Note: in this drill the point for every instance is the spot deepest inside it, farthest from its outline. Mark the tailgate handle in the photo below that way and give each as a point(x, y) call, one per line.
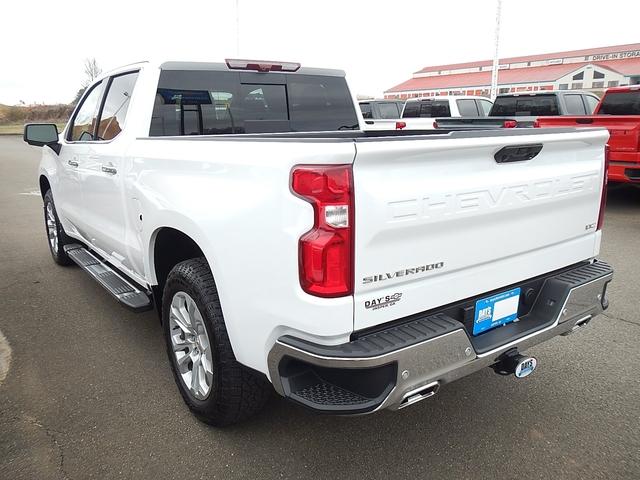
point(584, 120)
point(517, 153)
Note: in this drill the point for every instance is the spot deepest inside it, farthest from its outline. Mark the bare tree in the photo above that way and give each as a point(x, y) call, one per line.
point(91, 70)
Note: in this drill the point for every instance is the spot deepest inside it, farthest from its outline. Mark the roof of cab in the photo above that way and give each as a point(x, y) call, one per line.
point(449, 97)
point(546, 92)
point(626, 88)
point(221, 66)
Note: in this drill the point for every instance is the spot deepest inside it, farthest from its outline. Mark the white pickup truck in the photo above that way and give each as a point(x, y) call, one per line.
point(284, 245)
point(421, 113)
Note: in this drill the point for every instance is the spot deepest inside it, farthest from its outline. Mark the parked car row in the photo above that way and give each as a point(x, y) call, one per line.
point(618, 111)
point(526, 108)
point(419, 113)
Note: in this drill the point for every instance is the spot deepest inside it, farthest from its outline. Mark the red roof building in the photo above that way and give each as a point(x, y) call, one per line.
point(589, 69)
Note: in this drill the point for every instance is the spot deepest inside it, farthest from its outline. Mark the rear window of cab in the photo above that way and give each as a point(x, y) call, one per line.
point(207, 102)
point(535, 105)
point(621, 103)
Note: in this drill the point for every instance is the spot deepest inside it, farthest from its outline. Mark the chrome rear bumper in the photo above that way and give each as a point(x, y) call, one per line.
point(390, 368)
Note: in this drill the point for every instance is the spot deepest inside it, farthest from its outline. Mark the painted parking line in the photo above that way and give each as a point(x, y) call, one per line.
point(5, 357)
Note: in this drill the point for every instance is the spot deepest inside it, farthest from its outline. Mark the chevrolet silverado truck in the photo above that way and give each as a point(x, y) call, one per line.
point(287, 248)
point(618, 112)
point(420, 113)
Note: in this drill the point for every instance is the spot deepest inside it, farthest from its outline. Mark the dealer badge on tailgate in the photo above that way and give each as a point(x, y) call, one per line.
point(383, 302)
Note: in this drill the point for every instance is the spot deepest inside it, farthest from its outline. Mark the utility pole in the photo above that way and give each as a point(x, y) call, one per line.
point(496, 60)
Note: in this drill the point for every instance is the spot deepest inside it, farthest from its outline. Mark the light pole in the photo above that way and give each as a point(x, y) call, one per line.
point(237, 28)
point(496, 60)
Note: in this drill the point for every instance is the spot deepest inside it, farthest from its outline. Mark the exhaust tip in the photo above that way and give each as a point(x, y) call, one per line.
point(579, 325)
point(419, 393)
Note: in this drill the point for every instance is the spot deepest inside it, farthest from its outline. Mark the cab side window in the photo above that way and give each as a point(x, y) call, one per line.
point(365, 108)
point(591, 102)
point(116, 105)
point(574, 105)
point(467, 107)
point(84, 123)
point(485, 107)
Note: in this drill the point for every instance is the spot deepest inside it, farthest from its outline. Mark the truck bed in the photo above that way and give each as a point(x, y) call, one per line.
point(359, 135)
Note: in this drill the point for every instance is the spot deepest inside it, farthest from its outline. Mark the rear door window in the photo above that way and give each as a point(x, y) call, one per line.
point(574, 104)
point(467, 107)
point(208, 102)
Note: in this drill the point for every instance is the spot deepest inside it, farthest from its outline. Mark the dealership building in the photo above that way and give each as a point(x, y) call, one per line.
point(590, 69)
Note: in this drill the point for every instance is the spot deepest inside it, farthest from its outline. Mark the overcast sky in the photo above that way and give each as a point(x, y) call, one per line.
point(378, 43)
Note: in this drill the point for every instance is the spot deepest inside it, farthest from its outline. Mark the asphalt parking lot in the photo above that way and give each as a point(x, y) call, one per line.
point(89, 392)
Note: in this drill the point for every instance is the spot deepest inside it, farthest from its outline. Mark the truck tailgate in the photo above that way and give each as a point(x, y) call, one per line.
point(439, 219)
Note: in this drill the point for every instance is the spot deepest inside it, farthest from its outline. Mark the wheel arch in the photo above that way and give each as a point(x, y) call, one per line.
point(45, 185)
point(168, 247)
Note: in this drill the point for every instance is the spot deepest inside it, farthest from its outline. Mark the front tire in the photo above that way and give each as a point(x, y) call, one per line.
point(56, 237)
point(215, 387)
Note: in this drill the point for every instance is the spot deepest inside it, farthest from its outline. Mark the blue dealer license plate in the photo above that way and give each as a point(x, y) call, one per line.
point(496, 310)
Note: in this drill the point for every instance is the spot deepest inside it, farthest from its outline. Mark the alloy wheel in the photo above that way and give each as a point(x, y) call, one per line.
point(190, 345)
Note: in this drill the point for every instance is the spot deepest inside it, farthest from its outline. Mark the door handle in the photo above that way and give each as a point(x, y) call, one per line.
point(109, 169)
point(73, 163)
point(517, 153)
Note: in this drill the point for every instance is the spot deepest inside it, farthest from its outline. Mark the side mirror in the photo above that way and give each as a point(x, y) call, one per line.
point(42, 134)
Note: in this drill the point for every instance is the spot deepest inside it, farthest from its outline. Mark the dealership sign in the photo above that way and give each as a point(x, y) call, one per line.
point(613, 56)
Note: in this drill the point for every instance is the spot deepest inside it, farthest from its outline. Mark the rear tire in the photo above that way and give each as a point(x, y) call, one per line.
point(215, 387)
point(56, 238)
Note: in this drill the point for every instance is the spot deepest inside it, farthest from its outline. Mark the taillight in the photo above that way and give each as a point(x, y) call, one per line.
point(400, 125)
point(510, 124)
point(435, 124)
point(262, 65)
point(603, 195)
point(325, 253)
point(536, 123)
